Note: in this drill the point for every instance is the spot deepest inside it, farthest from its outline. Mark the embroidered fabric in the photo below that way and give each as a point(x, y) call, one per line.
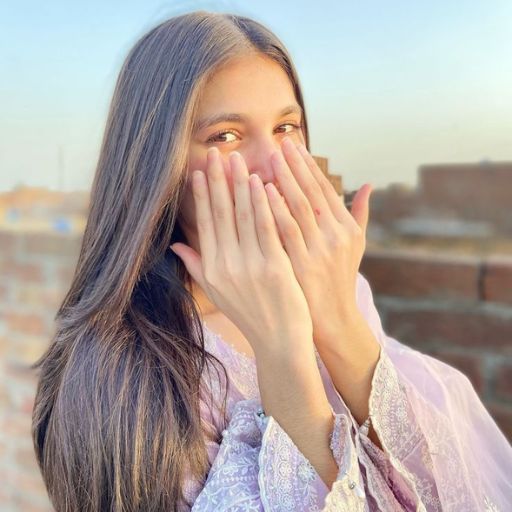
point(425, 464)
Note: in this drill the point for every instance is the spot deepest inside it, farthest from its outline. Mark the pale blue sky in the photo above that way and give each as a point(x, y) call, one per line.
point(388, 85)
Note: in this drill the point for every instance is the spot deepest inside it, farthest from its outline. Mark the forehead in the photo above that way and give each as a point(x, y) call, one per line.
point(252, 81)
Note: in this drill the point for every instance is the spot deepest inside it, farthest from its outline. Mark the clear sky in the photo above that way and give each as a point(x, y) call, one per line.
point(388, 85)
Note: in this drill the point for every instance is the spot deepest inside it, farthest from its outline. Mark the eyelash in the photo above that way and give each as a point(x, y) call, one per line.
point(222, 132)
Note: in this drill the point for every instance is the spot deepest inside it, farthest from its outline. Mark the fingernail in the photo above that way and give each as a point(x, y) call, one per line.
point(213, 151)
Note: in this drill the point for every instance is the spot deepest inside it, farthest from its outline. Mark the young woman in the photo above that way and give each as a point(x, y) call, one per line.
point(246, 367)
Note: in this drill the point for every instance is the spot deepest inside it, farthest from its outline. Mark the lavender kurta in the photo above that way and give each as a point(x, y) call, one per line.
point(441, 448)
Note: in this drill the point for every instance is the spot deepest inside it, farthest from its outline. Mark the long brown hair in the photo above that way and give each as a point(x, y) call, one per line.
point(116, 424)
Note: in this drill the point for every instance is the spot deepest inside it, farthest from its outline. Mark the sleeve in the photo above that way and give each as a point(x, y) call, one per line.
point(258, 467)
point(441, 448)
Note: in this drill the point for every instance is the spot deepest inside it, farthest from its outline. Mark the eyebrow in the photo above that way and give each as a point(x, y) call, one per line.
point(225, 117)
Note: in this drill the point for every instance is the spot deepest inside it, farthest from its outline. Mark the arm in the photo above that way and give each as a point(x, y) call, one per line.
point(351, 361)
point(440, 448)
point(292, 392)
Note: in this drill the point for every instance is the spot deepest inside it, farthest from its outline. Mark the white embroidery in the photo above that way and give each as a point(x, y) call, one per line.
point(279, 463)
point(489, 505)
point(347, 493)
point(258, 465)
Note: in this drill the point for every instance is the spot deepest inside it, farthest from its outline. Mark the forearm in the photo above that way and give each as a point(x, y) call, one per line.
point(292, 392)
point(350, 358)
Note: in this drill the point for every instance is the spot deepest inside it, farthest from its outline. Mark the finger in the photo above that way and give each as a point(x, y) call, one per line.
point(297, 202)
point(204, 217)
point(287, 226)
point(264, 220)
point(308, 185)
point(221, 203)
point(244, 211)
point(335, 202)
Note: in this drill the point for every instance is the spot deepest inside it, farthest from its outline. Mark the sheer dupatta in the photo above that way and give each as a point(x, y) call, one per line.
point(458, 442)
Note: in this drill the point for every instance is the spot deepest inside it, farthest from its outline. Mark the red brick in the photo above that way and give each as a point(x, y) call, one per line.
point(20, 374)
point(4, 345)
point(405, 273)
point(336, 182)
point(53, 244)
point(468, 328)
point(502, 415)
point(21, 272)
point(65, 274)
point(469, 364)
point(28, 323)
point(9, 242)
point(503, 381)
point(48, 297)
point(25, 351)
point(29, 492)
point(322, 162)
point(4, 292)
point(497, 284)
point(22, 503)
point(25, 458)
point(27, 405)
point(15, 425)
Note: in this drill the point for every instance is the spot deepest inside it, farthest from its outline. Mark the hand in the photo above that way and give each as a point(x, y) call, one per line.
point(243, 268)
point(324, 241)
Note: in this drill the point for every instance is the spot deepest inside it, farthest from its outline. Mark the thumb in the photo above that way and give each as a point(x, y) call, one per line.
point(361, 206)
point(191, 260)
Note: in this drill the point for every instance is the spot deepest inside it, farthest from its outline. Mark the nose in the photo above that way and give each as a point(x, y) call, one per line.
point(257, 158)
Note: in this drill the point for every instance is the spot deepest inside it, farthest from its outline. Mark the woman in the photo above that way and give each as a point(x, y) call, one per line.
point(311, 405)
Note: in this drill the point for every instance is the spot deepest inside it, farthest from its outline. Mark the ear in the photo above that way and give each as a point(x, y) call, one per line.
point(192, 261)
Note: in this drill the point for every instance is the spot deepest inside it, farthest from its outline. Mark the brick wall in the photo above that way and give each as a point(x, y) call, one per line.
point(35, 270)
point(456, 308)
point(459, 309)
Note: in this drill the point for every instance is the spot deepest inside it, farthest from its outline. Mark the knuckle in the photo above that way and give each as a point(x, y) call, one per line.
point(229, 268)
point(290, 230)
point(271, 272)
point(301, 206)
point(265, 225)
point(203, 224)
point(338, 240)
point(311, 188)
point(243, 216)
point(220, 213)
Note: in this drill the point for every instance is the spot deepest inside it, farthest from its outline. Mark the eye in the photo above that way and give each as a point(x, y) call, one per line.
point(215, 136)
point(293, 125)
point(223, 133)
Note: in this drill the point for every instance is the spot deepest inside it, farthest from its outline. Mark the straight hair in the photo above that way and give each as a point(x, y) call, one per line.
point(116, 423)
